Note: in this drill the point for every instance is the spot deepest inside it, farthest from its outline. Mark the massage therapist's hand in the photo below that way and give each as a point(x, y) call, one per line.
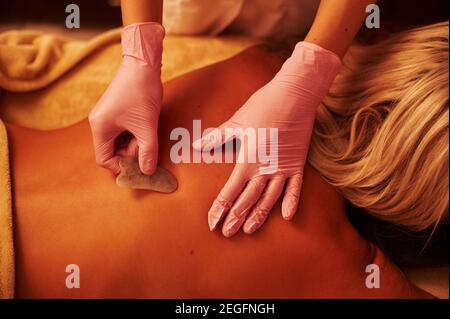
point(287, 103)
point(133, 100)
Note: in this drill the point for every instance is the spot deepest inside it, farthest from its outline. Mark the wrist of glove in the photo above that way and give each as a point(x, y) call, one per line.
point(143, 43)
point(309, 71)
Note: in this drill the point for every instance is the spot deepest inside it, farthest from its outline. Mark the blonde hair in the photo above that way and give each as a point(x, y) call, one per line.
point(381, 135)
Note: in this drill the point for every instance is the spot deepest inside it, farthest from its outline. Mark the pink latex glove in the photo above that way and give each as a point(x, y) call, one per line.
point(132, 101)
point(288, 102)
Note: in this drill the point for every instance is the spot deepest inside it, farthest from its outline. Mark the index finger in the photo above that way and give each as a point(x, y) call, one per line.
point(227, 196)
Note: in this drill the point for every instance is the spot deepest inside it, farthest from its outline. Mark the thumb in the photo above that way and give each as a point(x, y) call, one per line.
point(215, 138)
point(148, 153)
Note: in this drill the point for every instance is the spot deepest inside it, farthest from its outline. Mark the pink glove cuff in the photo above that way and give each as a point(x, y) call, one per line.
point(314, 67)
point(144, 41)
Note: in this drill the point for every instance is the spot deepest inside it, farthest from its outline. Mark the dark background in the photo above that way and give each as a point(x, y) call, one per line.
point(94, 13)
point(396, 14)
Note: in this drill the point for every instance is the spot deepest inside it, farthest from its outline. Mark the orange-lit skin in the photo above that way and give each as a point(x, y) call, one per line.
point(138, 11)
point(141, 244)
point(334, 28)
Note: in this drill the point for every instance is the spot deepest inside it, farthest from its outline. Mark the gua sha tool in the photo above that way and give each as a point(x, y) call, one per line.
point(131, 176)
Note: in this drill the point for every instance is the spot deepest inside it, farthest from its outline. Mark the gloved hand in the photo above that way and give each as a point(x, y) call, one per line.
point(132, 101)
point(287, 103)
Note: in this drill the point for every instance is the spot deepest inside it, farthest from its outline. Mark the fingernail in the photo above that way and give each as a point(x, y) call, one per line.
point(212, 222)
point(287, 212)
point(148, 166)
point(116, 169)
point(214, 214)
point(229, 230)
point(249, 228)
point(232, 226)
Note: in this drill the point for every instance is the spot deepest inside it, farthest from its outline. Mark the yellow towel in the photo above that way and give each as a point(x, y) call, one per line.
point(30, 61)
point(6, 234)
point(51, 81)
